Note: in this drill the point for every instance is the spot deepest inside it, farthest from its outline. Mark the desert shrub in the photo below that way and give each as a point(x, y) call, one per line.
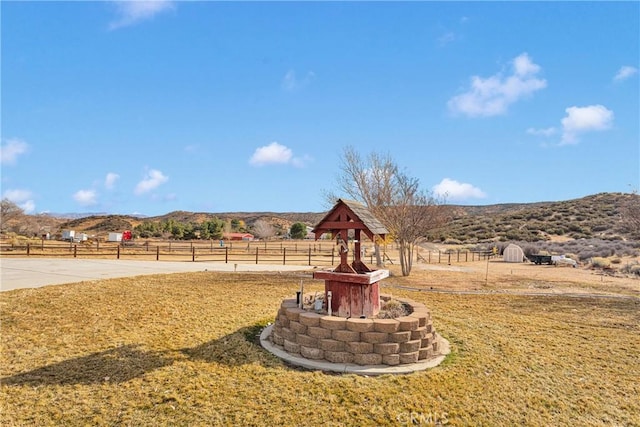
point(571, 255)
point(616, 260)
point(392, 309)
point(599, 262)
point(633, 268)
point(452, 242)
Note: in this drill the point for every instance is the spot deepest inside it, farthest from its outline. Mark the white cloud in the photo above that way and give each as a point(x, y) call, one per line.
point(130, 12)
point(11, 149)
point(624, 73)
point(291, 82)
point(493, 96)
point(584, 119)
point(110, 180)
point(454, 190)
point(22, 198)
point(85, 197)
point(542, 132)
point(152, 180)
point(276, 153)
point(272, 153)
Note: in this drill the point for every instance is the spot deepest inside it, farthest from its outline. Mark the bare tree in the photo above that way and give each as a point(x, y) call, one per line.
point(10, 213)
point(369, 181)
point(411, 214)
point(262, 229)
point(395, 198)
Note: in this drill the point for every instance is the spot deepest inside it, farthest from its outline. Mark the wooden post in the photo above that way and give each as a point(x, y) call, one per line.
point(439, 256)
point(449, 261)
point(309, 255)
point(226, 255)
point(429, 256)
point(118, 253)
point(157, 253)
point(256, 254)
point(75, 251)
point(193, 253)
point(333, 252)
point(28, 248)
point(284, 256)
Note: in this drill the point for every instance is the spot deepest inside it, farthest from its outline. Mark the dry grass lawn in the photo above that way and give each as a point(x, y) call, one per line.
point(179, 350)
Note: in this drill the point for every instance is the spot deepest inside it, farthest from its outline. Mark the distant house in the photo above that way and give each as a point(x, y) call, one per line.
point(115, 237)
point(513, 253)
point(238, 236)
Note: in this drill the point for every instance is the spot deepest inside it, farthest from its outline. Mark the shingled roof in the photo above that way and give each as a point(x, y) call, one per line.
point(349, 214)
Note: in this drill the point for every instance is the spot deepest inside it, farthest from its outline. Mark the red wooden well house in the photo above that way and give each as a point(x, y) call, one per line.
point(351, 290)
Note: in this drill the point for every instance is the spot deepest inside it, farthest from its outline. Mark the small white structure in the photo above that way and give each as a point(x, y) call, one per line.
point(115, 237)
point(68, 235)
point(513, 253)
point(80, 237)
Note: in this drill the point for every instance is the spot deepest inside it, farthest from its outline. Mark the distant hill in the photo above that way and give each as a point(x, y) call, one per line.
point(595, 216)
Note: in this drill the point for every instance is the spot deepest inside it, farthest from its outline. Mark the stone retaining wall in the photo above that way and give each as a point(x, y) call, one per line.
point(318, 336)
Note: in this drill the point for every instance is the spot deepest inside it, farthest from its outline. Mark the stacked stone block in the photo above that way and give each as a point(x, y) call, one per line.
point(317, 336)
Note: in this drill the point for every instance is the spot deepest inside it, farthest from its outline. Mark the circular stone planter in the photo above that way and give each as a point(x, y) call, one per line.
point(316, 340)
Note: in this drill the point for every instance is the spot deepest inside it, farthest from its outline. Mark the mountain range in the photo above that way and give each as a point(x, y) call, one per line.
point(594, 216)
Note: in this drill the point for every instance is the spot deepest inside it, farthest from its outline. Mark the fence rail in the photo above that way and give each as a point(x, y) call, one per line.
point(285, 253)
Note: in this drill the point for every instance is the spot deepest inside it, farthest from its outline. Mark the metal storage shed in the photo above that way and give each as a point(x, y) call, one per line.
point(513, 253)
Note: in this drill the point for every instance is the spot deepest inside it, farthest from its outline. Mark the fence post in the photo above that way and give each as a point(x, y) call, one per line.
point(28, 248)
point(449, 261)
point(284, 256)
point(333, 251)
point(75, 251)
point(309, 255)
point(256, 254)
point(226, 255)
point(439, 256)
point(458, 255)
point(118, 254)
point(466, 256)
point(157, 253)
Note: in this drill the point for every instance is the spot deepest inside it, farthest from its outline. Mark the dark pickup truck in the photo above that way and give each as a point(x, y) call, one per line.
point(540, 259)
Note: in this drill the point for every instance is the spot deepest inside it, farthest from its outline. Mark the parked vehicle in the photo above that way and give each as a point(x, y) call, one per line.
point(563, 260)
point(540, 259)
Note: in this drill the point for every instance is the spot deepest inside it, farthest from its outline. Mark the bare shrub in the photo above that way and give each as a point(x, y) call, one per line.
point(392, 309)
point(599, 262)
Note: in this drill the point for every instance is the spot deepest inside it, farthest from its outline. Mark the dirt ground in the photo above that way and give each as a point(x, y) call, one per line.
point(497, 276)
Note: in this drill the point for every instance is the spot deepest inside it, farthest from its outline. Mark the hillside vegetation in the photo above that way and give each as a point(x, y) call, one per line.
point(592, 217)
point(596, 216)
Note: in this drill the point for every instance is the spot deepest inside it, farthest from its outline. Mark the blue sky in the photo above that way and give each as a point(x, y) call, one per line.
point(151, 107)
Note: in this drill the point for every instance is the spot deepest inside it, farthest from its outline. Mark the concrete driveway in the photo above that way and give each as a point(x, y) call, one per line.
point(17, 273)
